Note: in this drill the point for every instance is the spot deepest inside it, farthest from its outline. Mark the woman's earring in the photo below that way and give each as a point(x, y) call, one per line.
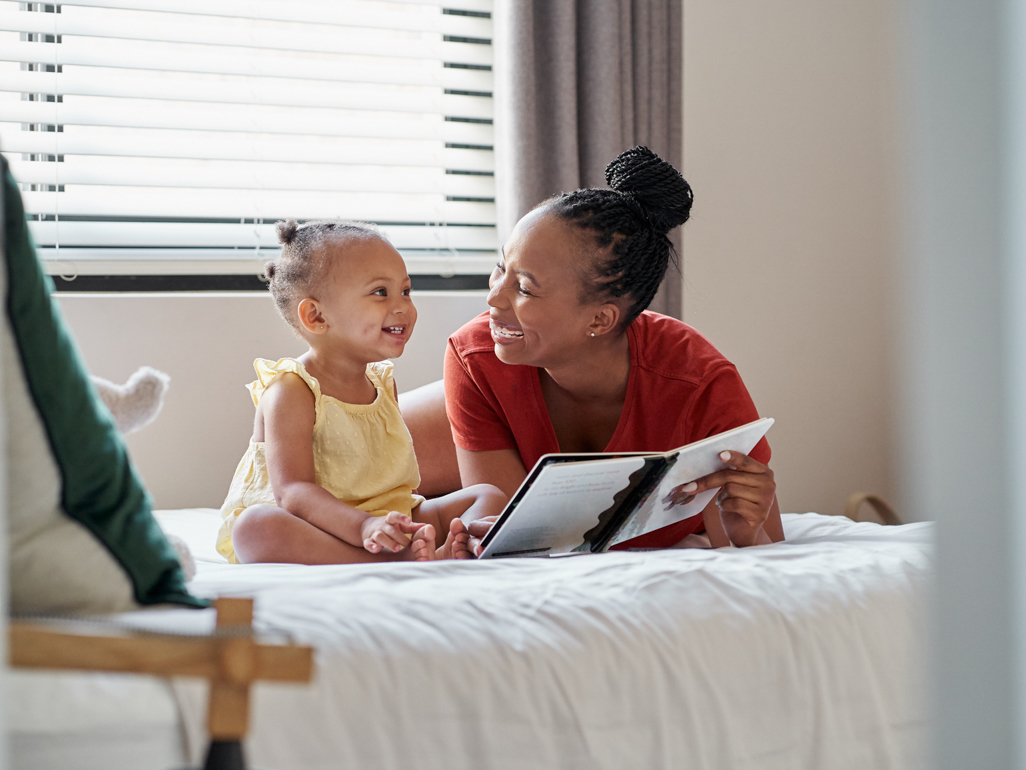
point(593, 334)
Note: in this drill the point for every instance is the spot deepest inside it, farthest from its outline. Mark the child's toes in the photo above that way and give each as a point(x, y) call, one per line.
point(461, 547)
point(422, 546)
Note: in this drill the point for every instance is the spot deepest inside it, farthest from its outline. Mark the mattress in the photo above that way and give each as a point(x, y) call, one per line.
point(803, 654)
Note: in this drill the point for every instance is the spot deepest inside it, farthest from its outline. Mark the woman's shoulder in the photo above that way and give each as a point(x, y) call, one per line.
point(473, 337)
point(670, 348)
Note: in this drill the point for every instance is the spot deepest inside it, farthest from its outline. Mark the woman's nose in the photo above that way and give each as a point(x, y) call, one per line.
point(494, 298)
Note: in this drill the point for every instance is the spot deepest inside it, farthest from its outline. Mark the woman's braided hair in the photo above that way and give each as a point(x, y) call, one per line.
point(305, 260)
point(630, 222)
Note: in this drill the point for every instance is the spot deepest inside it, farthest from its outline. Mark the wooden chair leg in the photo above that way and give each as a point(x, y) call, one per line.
point(228, 704)
point(225, 755)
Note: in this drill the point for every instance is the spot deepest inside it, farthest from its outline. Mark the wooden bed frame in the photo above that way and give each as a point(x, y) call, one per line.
point(231, 659)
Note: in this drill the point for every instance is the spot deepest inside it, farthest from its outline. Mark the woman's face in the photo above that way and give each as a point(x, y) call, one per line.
point(537, 317)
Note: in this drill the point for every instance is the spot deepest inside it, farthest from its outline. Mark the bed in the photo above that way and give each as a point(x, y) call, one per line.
point(804, 654)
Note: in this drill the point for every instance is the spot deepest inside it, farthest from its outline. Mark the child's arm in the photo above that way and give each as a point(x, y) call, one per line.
point(288, 414)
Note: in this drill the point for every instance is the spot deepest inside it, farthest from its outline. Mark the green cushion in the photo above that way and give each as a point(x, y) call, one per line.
point(99, 486)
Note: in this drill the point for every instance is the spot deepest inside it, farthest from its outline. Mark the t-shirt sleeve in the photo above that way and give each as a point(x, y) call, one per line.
point(473, 409)
point(722, 403)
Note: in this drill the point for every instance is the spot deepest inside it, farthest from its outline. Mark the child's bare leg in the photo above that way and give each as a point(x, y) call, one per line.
point(448, 515)
point(267, 533)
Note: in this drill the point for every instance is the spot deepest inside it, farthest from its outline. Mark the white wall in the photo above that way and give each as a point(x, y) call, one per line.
point(789, 144)
point(207, 343)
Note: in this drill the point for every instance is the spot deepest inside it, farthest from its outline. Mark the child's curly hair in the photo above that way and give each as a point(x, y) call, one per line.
point(305, 260)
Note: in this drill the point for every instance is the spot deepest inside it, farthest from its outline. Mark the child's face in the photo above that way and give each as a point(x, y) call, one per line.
point(368, 309)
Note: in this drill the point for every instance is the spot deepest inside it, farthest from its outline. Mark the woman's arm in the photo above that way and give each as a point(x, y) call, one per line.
point(502, 468)
point(288, 416)
point(772, 529)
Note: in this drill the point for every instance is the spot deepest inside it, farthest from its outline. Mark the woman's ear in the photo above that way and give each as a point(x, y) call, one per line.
point(605, 320)
point(310, 316)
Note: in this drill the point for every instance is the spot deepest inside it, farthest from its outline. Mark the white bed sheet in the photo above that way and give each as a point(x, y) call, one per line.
point(805, 654)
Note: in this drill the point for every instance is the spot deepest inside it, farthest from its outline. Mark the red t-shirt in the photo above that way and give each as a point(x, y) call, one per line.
point(680, 389)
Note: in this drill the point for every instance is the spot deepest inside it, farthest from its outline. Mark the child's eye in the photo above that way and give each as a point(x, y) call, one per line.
point(406, 292)
point(382, 292)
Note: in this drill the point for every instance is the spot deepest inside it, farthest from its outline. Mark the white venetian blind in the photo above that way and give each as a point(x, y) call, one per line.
point(167, 136)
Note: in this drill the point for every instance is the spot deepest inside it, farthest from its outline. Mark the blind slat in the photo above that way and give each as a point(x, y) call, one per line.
point(203, 145)
point(352, 14)
point(224, 235)
point(235, 175)
point(96, 111)
point(269, 92)
point(72, 262)
point(227, 33)
point(159, 203)
point(127, 55)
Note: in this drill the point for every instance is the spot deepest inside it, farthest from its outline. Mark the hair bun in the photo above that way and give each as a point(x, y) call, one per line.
point(287, 231)
point(658, 187)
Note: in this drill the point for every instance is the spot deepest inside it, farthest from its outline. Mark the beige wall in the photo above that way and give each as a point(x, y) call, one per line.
point(207, 343)
point(789, 144)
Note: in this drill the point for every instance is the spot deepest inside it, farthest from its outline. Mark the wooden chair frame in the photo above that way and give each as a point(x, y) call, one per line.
point(231, 659)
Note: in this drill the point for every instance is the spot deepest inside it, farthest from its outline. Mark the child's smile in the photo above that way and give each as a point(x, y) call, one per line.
point(399, 332)
point(368, 312)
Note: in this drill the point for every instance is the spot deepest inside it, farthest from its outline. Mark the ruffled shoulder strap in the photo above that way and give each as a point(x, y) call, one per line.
point(267, 370)
point(380, 373)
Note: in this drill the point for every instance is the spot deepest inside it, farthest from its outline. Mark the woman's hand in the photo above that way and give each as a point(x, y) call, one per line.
point(391, 533)
point(747, 492)
point(478, 528)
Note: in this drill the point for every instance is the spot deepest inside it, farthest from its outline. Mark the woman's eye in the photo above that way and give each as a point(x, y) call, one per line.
point(499, 267)
point(524, 291)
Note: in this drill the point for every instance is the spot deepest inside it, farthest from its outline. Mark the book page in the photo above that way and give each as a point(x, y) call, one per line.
point(564, 502)
point(693, 462)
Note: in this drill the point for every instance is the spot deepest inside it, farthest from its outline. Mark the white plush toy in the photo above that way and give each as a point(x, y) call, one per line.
point(135, 405)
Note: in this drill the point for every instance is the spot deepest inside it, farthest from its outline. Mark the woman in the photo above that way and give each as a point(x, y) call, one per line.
point(568, 360)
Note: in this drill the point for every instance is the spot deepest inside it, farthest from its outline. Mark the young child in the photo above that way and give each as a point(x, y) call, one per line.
point(330, 471)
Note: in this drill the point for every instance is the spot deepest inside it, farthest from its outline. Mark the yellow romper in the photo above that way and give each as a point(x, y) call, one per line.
point(363, 453)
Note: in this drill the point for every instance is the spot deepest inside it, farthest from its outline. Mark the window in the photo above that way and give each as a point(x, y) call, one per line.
point(167, 137)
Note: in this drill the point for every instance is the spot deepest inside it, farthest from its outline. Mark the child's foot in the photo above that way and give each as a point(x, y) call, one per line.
point(457, 544)
point(422, 544)
point(458, 541)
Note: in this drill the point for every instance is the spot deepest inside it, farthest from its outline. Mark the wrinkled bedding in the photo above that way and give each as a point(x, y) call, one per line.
point(804, 654)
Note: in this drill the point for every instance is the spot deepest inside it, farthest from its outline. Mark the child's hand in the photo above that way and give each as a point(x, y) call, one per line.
point(390, 533)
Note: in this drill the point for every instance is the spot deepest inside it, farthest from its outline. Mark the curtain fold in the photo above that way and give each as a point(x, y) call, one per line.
point(576, 83)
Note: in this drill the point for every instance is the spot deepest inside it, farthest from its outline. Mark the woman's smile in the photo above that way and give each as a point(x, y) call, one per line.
point(504, 333)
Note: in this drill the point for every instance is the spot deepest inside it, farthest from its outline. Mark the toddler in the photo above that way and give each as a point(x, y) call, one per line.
point(330, 471)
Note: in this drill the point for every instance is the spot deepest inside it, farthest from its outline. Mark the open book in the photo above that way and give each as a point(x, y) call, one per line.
point(585, 503)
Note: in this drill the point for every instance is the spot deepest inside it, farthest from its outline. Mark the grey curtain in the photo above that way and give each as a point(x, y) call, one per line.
point(578, 82)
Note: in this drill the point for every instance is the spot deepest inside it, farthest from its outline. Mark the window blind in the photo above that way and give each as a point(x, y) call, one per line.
point(167, 137)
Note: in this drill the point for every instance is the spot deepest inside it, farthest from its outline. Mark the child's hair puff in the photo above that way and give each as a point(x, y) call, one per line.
point(306, 260)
